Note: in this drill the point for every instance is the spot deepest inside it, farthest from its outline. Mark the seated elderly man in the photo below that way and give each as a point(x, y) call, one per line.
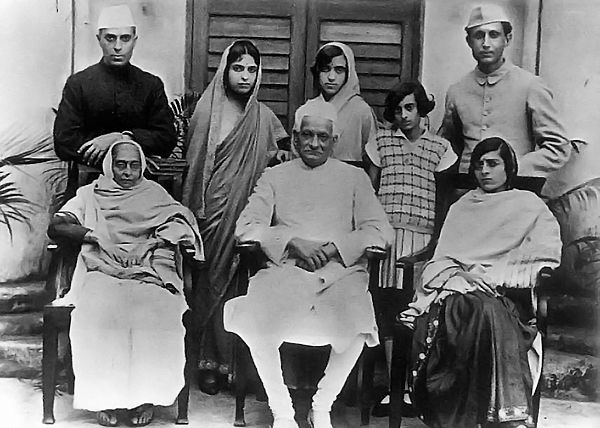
point(313, 217)
point(127, 335)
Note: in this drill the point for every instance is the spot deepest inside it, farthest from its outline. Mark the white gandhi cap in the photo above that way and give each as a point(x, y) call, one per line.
point(486, 14)
point(118, 16)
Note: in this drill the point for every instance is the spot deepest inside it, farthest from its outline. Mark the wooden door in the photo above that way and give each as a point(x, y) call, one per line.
point(384, 35)
point(277, 27)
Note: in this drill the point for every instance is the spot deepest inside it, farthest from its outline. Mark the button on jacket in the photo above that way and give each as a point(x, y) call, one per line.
point(510, 103)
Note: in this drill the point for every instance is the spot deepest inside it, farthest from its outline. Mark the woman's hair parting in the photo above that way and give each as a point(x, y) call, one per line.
point(239, 48)
point(425, 104)
point(323, 59)
point(506, 153)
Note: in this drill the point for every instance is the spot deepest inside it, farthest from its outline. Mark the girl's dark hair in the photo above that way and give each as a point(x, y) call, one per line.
point(239, 48)
point(401, 90)
point(506, 153)
point(323, 59)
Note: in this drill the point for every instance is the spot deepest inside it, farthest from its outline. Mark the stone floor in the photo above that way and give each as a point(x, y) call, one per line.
point(21, 407)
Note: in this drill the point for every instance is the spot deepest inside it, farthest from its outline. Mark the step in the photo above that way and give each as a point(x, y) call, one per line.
point(19, 297)
point(29, 323)
point(10, 368)
point(23, 351)
point(570, 376)
point(575, 340)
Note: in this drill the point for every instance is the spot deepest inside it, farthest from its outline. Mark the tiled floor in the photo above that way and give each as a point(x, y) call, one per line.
point(21, 407)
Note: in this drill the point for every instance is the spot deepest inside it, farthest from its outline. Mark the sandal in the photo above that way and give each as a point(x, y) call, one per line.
point(107, 418)
point(141, 415)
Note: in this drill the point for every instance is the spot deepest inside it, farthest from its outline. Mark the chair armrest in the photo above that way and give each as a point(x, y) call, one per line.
point(247, 247)
point(188, 252)
point(376, 253)
point(546, 273)
point(418, 256)
point(52, 245)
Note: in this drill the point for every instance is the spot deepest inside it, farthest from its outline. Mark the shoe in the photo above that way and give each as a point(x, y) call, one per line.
point(381, 410)
point(285, 423)
point(209, 381)
point(319, 419)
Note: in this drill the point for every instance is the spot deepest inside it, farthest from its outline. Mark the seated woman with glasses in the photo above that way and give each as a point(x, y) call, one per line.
point(471, 345)
point(127, 335)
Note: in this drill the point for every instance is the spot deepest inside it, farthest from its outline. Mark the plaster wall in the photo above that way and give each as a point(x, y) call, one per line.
point(35, 46)
point(160, 48)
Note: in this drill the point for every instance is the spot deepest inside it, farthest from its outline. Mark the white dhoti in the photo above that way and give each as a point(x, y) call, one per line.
point(288, 304)
point(127, 341)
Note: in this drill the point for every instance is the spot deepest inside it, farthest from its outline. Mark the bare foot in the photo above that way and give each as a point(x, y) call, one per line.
point(107, 418)
point(142, 415)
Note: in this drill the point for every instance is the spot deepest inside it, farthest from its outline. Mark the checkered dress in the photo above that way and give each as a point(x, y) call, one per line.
point(407, 193)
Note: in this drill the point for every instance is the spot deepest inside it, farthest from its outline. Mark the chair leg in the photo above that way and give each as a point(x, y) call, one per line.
point(400, 363)
point(240, 381)
point(69, 368)
point(49, 361)
point(191, 357)
point(366, 371)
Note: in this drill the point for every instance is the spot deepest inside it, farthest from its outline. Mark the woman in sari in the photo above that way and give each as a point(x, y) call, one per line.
point(127, 336)
point(473, 348)
point(334, 74)
point(232, 138)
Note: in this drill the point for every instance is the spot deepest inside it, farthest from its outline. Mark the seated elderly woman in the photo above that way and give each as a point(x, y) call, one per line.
point(314, 217)
point(471, 342)
point(127, 335)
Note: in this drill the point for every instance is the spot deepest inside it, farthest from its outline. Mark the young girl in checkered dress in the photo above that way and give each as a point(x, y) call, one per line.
point(403, 159)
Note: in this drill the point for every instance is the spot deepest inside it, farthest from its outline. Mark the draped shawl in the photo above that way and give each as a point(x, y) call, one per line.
point(356, 122)
point(507, 236)
point(222, 174)
point(126, 217)
point(258, 130)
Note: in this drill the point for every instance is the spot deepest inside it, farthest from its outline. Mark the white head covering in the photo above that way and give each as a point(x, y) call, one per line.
point(486, 14)
point(108, 159)
point(352, 87)
point(319, 108)
point(118, 16)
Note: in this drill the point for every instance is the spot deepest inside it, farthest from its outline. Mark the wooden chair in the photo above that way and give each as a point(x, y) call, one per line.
point(167, 171)
point(57, 319)
point(449, 187)
point(251, 260)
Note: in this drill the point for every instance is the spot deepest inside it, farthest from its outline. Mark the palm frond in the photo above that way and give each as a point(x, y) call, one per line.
point(21, 146)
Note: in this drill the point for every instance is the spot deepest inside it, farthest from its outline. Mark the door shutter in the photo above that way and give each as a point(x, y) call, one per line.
point(277, 30)
point(384, 36)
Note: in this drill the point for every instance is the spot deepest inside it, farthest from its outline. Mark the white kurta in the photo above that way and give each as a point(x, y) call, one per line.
point(331, 203)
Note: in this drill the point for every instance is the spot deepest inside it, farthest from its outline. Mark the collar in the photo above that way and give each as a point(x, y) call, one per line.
point(117, 71)
point(310, 168)
point(495, 76)
point(397, 132)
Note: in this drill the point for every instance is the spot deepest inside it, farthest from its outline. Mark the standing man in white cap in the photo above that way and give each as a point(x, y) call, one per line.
point(314, 290)
point(500, 99)
point(112, 98)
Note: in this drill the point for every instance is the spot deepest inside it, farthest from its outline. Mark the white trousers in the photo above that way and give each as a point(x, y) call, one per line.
point(268, 364)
